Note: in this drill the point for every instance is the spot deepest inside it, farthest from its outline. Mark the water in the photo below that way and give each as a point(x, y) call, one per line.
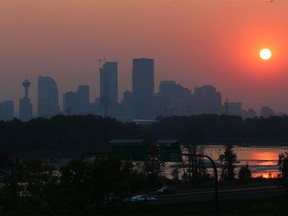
point(262, 160)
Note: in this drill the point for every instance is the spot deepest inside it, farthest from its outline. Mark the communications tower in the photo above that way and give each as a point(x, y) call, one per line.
point(26, 85)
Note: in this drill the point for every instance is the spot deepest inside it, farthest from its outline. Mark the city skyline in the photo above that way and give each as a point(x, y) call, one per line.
point(143, 102)
point(193, 43)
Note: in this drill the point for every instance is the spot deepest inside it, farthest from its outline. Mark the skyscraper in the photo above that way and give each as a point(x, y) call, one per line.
point(47, 97)
point(70, 103)
point(25, 106)
point(82, 99)
point(173, 99)
point(109, 88)
point(6, 110)
point(143, 88)
point(207, 100)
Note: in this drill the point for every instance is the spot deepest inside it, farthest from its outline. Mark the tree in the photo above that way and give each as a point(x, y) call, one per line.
point(196, 171)
point(244, 172)
point(88, 185)
point(80, 188)
point(283, 168)
point(25, 191)
point(175, 174)
point(153, 167)
point(6, 167)
point(227, 161)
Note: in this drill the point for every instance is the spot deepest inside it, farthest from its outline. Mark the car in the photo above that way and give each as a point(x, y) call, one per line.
point(142, 197)
point(109, 199)
point(167, 190)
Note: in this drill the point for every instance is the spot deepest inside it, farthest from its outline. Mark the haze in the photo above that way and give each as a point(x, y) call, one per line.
point(193, 42)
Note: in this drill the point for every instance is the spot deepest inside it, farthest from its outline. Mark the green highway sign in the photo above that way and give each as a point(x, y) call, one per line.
point(136, 150)
point(170, 151)
point(131, 150)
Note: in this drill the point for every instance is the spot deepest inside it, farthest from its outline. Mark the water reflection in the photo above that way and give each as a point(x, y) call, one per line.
point(262, 160)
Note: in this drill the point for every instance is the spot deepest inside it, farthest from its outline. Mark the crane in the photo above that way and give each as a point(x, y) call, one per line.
point(100, 60)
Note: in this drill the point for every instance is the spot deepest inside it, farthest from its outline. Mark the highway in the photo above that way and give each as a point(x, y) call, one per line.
point(223, 194)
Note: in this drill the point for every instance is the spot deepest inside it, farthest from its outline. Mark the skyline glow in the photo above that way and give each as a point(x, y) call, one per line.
point(193, 42)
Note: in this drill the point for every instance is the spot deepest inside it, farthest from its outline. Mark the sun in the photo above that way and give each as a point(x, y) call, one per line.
point(265, 54)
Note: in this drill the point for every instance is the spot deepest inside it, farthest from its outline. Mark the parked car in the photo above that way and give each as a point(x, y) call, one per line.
point(141, 198)
point(166, 190)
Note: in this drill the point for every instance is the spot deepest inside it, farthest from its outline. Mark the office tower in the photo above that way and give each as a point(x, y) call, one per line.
point(47, 97)
point(70, 103)
point(6, 110)
point(109, 88)
point(233, 108)
point(127, 105)
point(173, 99)
point(83, 99)
point(208, 100)
point(143, 88)
point(25, 106)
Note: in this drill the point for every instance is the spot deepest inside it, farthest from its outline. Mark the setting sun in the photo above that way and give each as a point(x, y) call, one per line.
point(265, 54)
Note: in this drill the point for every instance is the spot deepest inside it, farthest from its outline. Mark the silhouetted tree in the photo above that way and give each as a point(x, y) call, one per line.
point(244, 172)
point(196, 169)
point(78, 188)
point(283, 167)
point(153, 167)
point(227, 161)
point(175, 174)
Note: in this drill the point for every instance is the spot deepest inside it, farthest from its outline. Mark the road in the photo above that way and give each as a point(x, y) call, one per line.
point(241, 193)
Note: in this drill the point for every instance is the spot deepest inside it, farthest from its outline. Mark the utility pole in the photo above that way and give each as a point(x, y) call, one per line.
point(226, 106)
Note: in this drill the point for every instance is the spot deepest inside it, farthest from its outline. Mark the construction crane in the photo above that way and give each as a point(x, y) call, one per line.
point(100, 60)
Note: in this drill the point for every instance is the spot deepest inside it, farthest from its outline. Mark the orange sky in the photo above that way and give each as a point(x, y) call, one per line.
point(193, 42)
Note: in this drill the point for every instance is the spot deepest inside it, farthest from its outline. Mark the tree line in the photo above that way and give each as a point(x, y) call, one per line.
point(223, 128)
point(92, 133)
point(63, 133)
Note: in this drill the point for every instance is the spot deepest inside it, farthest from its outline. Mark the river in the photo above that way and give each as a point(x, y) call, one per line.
point(262, 160)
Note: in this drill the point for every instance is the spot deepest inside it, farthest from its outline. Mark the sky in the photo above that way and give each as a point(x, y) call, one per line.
point(194, 42)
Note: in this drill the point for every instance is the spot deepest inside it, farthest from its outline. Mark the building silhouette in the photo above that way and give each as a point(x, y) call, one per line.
point(70, 103)
point(25, 106)
point(47, 97)
point(6, 110)
point(251, 113)
point(109, 89)
point(234, 108)
point(127, 106)
point(82, 99)
point(143, 88)
point(173, 99)
point(207, 100)
point(267, 112)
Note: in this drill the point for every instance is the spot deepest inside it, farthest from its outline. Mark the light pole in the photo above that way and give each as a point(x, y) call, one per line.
point(215, 176)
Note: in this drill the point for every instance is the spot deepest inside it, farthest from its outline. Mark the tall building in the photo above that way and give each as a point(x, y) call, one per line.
point(143, 88)
point(173, 99)
point(233, 108)
point(70, 103)
point(127, 105)
point(207, 100)
point(83, 99)
point(47, 97)
point(109, 88)
point(25, 106)
point(6, 110)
